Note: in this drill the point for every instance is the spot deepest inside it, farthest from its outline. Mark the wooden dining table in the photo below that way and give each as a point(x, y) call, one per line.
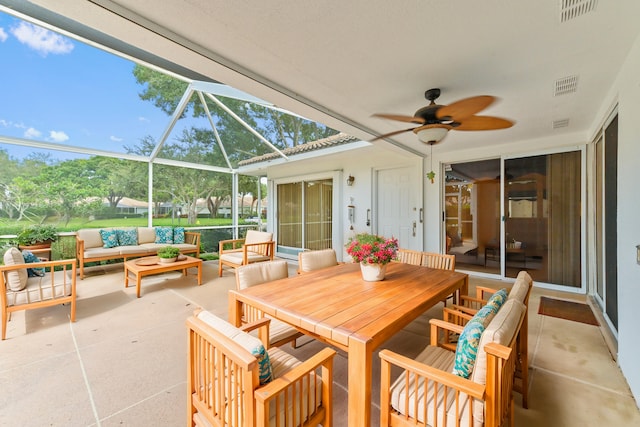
point(335, 305)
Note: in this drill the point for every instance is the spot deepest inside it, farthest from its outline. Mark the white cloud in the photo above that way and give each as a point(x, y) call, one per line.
point(143, 119)
point(115, 138)
point(42, 40)
point(58, 136)
point(3, 35)
point(4, 123)
point(32, 133)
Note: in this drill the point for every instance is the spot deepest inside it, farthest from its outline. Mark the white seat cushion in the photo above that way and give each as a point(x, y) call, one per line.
point(236, 257)
point(315, 260)
point(443, 360)
point(41, 289)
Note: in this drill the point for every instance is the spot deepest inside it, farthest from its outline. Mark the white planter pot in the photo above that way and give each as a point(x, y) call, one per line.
point(373, 272)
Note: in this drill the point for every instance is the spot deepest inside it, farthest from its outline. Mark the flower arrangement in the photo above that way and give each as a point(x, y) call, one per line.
point(371, 249)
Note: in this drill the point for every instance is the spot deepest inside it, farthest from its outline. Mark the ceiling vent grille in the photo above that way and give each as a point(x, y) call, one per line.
point(563, 123)
point(570, 9)
point(566, 85)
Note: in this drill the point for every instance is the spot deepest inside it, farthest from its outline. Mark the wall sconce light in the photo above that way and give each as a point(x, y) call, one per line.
point(350, 180)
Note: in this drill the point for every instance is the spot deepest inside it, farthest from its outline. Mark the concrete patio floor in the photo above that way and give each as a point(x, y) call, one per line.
point(123, 362)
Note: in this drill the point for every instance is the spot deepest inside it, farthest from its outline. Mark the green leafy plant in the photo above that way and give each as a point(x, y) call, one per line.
point(169, 252)
point(372, 249)
point(37, 234)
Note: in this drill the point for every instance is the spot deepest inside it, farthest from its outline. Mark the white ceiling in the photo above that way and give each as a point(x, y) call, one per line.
point(338, 62)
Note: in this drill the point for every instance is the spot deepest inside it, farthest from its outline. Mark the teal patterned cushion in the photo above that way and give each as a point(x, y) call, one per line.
point(178, 235)
point(497, 299)
point(127, 237)
point(29, 257)
point(485, 314)
point(164, 235)
point(467, 349)
point(109, 238)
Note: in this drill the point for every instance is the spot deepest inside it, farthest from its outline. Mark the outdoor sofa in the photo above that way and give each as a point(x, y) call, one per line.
point(100, 244)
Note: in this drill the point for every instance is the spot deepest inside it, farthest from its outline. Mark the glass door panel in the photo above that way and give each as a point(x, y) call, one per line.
point(542, 217)
point(472, 215)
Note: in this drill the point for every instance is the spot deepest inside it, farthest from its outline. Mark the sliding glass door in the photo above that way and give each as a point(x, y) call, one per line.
point(543, 221)
point(304, 215)
point(525, 215)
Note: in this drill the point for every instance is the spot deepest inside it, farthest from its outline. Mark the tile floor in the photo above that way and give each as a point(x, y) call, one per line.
point(123, 362)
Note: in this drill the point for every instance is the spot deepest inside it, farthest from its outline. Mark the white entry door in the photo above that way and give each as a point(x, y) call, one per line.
point(398, 206)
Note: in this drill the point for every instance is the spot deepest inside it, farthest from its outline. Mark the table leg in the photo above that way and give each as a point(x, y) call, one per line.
point(138, 279)
point(359, 365)
point(126, 277)
point(235, 310)
point(199, 274)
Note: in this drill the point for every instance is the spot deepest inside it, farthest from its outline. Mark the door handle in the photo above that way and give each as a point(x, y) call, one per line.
point(414, 229)
point(421, 215)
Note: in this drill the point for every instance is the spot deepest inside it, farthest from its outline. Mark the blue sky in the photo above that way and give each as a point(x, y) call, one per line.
point(56, 89)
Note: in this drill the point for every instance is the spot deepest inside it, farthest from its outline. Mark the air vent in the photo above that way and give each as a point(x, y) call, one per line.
point(570, 9)
point(566, 85)
point(563, 123)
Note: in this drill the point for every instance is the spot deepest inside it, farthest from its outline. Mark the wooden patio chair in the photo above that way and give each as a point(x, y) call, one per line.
point(439, 261)
point(408, 256)
point(428, 392)
point(235, 379)
point(316, 260)
point(257, 246)
point(520, 291)
point(279, 332)
point(46, 287)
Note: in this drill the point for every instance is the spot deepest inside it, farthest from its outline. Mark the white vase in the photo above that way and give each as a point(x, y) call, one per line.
point(373, 272)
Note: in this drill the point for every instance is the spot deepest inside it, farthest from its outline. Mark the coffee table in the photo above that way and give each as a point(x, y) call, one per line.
point(147, 266)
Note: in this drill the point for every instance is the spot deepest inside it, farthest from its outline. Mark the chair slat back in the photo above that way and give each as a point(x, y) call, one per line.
point(408, 256)
point(439, 261)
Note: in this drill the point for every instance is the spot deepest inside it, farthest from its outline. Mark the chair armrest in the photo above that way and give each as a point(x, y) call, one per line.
point(447, 329)
point(262, 326)
point(298, 388)
point(236, 245)
point(457, 314)
point(433, 374)
point(47, 265)
point(192, 238)
point(482, 290)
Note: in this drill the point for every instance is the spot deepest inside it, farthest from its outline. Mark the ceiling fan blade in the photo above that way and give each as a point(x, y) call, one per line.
point(483, 123)
point(386, 135)
point(401, 118)
point(464, 108)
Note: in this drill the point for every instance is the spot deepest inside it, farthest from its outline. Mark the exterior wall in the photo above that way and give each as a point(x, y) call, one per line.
point(359, 163)
point(627, 91)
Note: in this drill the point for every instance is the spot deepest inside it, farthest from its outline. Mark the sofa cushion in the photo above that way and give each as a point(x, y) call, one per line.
point(41, 289)
point(16, 279)
point(178, 235)
point(252, 344)
point(29, 258)
point(500, 330)
point(146, 235)
point(91, 237)
point(467, 348)
point(254, 236)
point(127, 237)
point(406, 398)
point(164, 235)
point(520, 288)
point(109, 238)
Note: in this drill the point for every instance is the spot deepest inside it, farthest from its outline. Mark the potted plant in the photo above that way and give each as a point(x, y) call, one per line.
point(373, 253)
point(168, 254)
point(37, 236)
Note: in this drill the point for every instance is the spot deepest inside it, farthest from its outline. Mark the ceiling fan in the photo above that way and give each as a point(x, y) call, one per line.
point(434, 121)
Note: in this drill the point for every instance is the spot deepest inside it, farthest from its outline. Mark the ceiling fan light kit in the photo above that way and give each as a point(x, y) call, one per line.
point(432, 134)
